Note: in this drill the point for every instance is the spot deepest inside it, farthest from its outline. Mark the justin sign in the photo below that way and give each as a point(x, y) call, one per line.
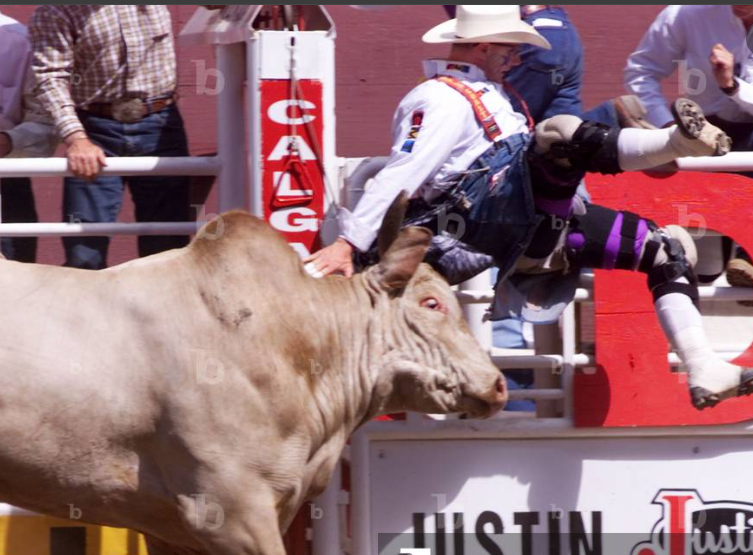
point(578, 496)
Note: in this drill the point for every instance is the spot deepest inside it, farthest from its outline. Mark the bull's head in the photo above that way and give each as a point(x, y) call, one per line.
point(431, 361)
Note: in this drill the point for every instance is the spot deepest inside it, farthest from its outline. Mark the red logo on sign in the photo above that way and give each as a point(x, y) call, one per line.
point(689, 525)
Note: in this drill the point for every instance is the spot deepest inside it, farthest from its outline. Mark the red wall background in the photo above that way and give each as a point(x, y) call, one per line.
point(378, 61)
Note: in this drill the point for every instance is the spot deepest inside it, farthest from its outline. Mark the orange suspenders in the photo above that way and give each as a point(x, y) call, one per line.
point(484, 117)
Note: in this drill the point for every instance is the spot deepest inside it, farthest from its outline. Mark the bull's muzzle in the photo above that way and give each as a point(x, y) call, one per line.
point(500, 397)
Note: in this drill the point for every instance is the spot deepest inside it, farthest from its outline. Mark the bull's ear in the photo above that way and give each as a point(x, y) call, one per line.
point(392, 223)
point(401, 260)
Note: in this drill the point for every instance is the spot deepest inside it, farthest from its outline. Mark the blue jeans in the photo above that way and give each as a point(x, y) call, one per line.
point(17, 201)
point(156, 199)
point(508, 334)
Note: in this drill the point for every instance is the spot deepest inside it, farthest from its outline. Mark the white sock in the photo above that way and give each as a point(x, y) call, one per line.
point(641, 149)
point(683, 326)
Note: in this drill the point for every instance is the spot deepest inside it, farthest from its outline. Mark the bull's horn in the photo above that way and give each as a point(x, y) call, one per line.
point(401, 260)
point(392, 223)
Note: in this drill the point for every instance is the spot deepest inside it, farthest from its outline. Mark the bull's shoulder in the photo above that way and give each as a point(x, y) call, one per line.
point(239, 232)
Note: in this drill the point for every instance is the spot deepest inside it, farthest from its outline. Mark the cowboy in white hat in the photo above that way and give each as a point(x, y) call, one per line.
point(479, 178)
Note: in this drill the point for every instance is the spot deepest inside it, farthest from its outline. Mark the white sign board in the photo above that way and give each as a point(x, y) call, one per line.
point(600, 496)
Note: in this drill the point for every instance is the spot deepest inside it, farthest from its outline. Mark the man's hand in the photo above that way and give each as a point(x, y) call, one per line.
point(6, 145)
point(85, 159)
point(723, 65)
point(331, 259)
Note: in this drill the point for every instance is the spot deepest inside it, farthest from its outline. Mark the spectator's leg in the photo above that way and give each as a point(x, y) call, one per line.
point(161, 199)
point(96, 201)
point(508, 334)
point(17, 200)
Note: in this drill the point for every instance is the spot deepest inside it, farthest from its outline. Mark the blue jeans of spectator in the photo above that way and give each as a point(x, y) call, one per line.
point(17, 201)
point(156, 199)
point(508, 334)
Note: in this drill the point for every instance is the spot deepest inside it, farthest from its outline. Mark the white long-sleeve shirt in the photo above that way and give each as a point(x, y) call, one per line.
point(680, 39)
point(21, 116)
point(435, 134)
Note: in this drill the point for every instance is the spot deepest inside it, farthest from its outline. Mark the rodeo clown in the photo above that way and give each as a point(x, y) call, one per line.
point(480, 180)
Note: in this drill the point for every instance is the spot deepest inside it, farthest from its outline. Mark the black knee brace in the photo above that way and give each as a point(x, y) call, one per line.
point(594, 238)
point(592, 148)
point(661, 278)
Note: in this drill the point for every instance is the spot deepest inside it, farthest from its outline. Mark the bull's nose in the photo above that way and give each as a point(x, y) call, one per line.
point(500, 400)
point(502, 386)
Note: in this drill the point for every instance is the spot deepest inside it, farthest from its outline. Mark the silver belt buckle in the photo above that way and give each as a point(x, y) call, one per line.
point(128, 110)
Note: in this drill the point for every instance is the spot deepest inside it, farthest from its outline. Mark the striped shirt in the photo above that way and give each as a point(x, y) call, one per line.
point(92, 54)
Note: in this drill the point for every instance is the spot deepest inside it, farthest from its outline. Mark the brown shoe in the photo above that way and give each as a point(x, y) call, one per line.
point(699, 137)
point(631, 112)
point(740, 274)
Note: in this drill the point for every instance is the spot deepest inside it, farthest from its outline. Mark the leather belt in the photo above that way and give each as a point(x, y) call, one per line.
point(129, 110)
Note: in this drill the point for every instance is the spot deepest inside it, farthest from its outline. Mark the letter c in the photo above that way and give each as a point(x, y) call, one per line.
point(278, 112)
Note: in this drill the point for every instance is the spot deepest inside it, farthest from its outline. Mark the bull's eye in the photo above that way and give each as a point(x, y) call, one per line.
point(433, 304)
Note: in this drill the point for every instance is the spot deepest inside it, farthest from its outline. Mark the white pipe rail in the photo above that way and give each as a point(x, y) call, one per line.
point(123, 166)
point(231, 64)
point(537, 362)
point(537, 394)
point(99, 229)
point(579, 360)
point(731, 162)
point(474, 296)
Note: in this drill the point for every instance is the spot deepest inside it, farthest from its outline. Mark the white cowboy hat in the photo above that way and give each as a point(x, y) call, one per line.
point(487, 24)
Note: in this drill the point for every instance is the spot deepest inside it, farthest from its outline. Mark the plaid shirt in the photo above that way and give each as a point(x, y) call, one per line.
point(91, 54)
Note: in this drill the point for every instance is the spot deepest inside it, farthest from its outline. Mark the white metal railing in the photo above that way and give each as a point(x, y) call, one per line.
point(731, 162)
point(123, 166)
point(99, 229)
point(585, 293)
point(126, 167)
point(565, 363)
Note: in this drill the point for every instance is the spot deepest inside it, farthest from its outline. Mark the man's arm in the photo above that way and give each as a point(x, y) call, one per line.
point(53, 65)
point(412, 162)
point(655, 59)
point(723, 64)
point(29, 140)
point(424, 138)
point(35, 136)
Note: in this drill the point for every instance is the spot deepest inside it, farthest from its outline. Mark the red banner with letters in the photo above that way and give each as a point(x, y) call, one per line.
point(291, 142)
point(633, 384)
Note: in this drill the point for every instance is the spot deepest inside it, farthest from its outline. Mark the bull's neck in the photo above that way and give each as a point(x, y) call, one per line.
point(344, 390)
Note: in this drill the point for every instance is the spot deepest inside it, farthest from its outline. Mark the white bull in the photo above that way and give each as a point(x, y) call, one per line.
point(201, 395)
